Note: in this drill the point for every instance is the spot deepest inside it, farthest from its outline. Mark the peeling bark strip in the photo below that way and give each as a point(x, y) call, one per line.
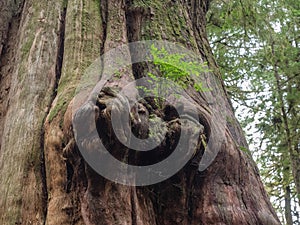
point(43, 177)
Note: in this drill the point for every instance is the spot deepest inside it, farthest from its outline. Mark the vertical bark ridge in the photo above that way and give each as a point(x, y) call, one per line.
point(32, 83)
point(98, 205)
point(9, 26)
point(65, 171)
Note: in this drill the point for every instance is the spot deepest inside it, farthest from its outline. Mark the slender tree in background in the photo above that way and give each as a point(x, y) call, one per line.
point(257, 48)
point(45, 48)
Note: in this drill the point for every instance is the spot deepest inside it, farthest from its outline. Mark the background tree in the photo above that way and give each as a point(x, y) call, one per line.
point(256, 46)
point(45, 48)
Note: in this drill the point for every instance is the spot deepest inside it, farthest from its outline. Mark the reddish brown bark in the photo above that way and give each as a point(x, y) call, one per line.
point(42, 173)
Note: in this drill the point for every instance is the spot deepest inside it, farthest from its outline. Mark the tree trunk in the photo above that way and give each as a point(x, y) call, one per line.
point(292, 146)
point(287, 206)
point(45, 48)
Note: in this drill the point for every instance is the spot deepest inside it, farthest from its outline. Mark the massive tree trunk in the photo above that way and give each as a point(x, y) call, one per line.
point(45, 48)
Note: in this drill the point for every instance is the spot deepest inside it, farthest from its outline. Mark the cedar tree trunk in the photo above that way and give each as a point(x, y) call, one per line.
point(45, 47)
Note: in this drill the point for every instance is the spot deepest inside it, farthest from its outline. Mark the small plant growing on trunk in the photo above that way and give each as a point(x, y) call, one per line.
point(176, 68)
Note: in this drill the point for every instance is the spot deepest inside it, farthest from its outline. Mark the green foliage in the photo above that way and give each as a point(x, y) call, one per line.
point(175, 68)
point(256, 44)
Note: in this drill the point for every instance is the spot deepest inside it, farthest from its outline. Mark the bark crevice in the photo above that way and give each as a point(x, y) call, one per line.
point(58, 71)
point(133, 206)
point(61, 41)
point(10, 11)
point(104, 16)
point(43, 176)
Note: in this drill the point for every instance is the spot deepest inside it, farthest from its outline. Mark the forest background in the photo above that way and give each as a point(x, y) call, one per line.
point(256, 45)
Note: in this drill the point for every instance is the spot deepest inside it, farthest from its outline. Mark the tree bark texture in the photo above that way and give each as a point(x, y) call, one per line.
point(45, 47)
